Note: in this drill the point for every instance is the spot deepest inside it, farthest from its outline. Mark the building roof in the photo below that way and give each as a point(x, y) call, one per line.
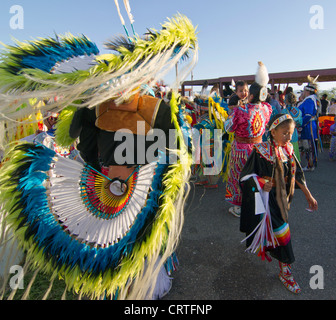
point(299, 77)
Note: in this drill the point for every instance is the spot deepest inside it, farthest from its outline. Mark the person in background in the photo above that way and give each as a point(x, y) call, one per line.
point(227, 91)
point(324, 105)
point(309, 132)
point(49, 124)
point(276, 109)
point(240, 96)
point(46, 134)
point(332, 147)
point(206, 170)
point(248, 123)
point(274, 103)
point(296, 114)
point(281, 98)
point(331, 110)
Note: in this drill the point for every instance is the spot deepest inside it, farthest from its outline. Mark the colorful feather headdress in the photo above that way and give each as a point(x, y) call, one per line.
point(71, 68)
point(312, 85)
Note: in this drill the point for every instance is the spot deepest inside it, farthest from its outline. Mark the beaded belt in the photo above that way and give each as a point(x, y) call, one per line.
point(248, 140)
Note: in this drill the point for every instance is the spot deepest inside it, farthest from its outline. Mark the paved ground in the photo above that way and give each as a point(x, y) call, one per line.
point(214, 265)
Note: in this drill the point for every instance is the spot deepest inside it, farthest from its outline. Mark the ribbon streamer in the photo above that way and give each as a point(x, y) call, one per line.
point(130, 16)
point(122, 19)
point(264, 237)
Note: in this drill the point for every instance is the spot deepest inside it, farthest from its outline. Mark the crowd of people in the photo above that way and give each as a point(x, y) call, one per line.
point(307, 109)
point(274, 138)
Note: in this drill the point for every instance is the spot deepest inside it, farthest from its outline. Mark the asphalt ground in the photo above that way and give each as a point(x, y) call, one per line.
point(215, 266)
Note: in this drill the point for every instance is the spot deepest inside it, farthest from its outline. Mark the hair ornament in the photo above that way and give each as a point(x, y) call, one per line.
point(262, 79)
point(280, 120)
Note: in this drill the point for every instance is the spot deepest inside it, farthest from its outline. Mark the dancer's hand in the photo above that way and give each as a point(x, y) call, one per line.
point(267, 186)
point(312, 203)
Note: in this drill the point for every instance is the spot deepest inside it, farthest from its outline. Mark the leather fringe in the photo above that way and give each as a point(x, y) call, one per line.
point(280, 189)
point(284, 194)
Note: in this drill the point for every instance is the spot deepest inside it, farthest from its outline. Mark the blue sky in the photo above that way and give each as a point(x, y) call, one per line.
point(233, 35)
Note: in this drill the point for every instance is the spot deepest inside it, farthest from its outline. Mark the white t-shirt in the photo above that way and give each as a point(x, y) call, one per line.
point(331, 109)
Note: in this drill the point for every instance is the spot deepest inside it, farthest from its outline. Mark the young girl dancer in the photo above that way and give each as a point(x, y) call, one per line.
point(268, 180)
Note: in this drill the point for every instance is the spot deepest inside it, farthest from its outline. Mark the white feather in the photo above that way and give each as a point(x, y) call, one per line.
point(71, 210)
point(128, 9)
point(262, 77)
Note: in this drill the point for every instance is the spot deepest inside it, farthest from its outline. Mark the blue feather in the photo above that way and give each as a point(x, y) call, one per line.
point(44, 54)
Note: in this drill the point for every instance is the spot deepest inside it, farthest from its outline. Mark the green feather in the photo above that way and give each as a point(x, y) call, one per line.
point(62, 137)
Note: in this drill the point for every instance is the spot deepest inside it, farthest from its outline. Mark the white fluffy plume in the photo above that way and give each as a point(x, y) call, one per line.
point(262, 77)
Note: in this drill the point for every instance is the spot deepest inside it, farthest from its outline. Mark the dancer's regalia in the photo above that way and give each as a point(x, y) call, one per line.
point(261, 166)
point(264, 215)
point(212, 144)
point(309, 135)
point(248, 123)
point(296, 114)
point(105, 236)
point(332, 147)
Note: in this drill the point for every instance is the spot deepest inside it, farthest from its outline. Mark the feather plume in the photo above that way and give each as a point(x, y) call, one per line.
point(62, 136)
point(262, 77)
point(128, 10)
point(311, 79)
point(120, 44)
